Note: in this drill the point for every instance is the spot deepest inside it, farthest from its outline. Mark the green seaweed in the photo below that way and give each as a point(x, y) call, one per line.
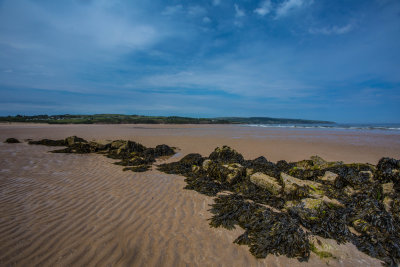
point(320, 253)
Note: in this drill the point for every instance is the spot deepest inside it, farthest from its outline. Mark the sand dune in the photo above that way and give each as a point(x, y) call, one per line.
point(81, 210)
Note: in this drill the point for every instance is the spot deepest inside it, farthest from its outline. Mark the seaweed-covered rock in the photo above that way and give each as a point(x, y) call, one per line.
point(226, 173)
point(267, 232)
point(388, 169)
point(48, 142)
point(79, 148)
point(137, 157)
point(388, 188)
point(206, 164)
point(163, 150)
point(260, 160)
point(329, 177)
point(158, 151)
point(12, 141)
point(267, 182)
point(293, 185)
point(226, 155)
point(261, 164)
point(318, 161)
point(72, 140)
point(326, 198)
point(184, 166)
point(321, 218)
point(123, 149)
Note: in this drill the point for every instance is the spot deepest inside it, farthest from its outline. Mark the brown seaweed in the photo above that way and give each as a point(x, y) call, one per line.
point(133, 155)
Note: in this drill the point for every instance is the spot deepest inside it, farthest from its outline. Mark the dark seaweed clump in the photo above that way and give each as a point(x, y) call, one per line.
point(12, 141)
point(280, 205)
point(266, 231)
point(132, 155)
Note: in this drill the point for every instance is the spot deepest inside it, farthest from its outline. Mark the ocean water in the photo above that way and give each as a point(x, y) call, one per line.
point(390, 127)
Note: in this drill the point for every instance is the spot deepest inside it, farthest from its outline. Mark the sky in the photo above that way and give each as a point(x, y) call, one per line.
point(335, 60)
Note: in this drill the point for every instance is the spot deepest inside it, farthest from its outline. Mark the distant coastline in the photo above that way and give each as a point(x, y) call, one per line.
point(140, 119)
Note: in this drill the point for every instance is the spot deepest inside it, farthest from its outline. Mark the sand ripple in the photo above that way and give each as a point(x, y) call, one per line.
point(81, 210)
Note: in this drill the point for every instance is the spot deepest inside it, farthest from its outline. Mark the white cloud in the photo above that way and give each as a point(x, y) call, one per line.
point(233, 78)
point(264, 8)
point(289, 5)
point(206, 20)
point(172, 10)
point(196, 11)
point(239, 12)
point(216, 2)
point(333, 30)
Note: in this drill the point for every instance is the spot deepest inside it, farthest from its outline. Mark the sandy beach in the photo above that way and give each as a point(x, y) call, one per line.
point(82, 210)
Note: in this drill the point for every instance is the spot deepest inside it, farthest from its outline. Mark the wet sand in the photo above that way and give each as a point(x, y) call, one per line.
point(81, 210)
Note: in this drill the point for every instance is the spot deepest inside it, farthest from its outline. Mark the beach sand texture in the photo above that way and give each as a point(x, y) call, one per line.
point(81, 210)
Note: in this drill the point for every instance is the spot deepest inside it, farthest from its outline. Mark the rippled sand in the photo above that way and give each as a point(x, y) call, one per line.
point(81, 210)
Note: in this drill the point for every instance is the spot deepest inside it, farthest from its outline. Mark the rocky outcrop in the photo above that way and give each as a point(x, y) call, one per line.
point(137, 157)
point(355, 203)
point(226, 155)
point(48, 142)
point(267, 182)
point(12, 141)
point(227, 173)
point(72, 140)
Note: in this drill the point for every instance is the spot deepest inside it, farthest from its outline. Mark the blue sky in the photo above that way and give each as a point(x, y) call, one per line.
point(316, 59)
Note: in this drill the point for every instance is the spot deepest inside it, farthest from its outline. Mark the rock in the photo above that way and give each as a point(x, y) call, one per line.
point(163, 150)
point(79, 148)
point(195, 168)
point(72, 140)
point(349, 191)
point(304, 164)
point(192, 159)
point(12, 141)
point(308, 209)
point(226, 155)
point(311, 203)
point(260, 160)
point(387, 170)
point(331, 202)
point(117, 144)
point(387, 202)
point(291, 184)
point(329, 177)
point(388, 188)
point(229, 173)
point(249, 171)
point(367, 176)
point(206, 164)
point(318, 161)
point(158, 151)
point(312, 209)
point(48, 142)
point(95, 147)
point(184, 166)
point(236, 171)
point(123, 149)
point(267, 182)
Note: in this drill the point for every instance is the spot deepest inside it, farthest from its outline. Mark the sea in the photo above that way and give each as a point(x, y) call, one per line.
point(387, 127)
